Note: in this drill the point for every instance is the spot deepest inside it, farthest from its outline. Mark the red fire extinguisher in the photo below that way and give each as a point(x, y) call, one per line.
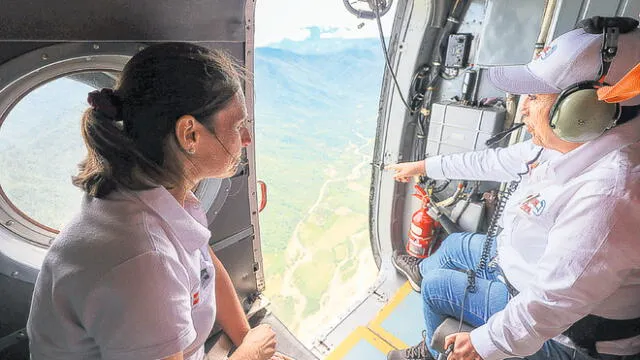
point(422, 233)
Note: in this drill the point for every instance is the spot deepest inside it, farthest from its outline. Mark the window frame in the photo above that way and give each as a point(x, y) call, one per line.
point(27, 72)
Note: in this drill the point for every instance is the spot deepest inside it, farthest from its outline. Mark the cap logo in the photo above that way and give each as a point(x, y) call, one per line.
point(546, 52)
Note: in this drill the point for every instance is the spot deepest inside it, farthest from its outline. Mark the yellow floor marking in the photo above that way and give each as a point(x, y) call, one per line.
point(376, 324)
point(359, 334)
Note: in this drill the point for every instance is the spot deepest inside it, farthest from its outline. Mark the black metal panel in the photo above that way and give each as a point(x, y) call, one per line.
point(13, 49)
point(234, 216)
point(14, 311)
point(238, 261)
point(15, 347)
point(14, 308)
point(154, 20)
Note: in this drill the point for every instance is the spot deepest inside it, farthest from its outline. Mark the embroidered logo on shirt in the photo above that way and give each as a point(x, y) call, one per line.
point(196, 297)
point(533, 205)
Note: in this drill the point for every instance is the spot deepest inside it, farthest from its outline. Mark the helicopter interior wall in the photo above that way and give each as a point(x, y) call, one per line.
point(506, 23)
point(491, 24)
point(232, 237)
point(230, 219)
point(14, 309)
point(426, 27)
point(10, 49)
point(240, 267)
point(502, 17)
point(479, 22)
point(569, 12)
point(124, 20)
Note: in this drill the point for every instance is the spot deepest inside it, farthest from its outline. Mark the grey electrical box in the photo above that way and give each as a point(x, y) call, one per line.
point(469, 215)
point(455, 128)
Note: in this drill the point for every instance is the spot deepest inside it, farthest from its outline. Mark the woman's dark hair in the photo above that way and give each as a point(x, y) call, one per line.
point(129, 131)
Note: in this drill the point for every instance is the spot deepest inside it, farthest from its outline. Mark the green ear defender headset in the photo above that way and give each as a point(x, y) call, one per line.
point(577, 115)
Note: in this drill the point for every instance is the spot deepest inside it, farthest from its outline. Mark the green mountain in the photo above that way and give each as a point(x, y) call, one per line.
point(309, 107)
point(315, 120)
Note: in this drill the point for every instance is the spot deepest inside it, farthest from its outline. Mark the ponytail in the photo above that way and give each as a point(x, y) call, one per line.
point(112, 158)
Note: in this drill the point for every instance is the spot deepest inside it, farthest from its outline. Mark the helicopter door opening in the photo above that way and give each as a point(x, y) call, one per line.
point(317, 81)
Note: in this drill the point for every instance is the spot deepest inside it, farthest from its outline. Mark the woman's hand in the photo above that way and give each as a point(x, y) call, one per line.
point(258, 344)
point(462, 347)
point(405, 171)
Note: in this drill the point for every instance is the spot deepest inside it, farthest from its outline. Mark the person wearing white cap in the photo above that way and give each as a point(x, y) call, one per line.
point(566, 284)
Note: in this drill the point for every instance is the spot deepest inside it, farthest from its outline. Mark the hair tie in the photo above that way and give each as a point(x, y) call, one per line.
point(106, 102)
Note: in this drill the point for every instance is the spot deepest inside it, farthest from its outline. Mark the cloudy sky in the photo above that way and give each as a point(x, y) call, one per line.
point(280, 19)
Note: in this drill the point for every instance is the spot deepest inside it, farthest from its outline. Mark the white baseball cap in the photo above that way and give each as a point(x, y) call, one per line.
point(572, 57)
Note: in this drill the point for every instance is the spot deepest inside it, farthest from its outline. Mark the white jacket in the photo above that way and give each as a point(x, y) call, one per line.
point(571, 238)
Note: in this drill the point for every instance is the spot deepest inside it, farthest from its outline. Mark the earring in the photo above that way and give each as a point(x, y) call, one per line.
point(191, 151)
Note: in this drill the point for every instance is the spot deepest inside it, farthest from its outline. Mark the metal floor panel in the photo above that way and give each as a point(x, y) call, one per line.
point(397, 325)
point(361, 344)
point(400, 321)
point(288, 344)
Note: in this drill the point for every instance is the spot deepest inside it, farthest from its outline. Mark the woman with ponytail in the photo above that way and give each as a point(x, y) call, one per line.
point(132, 276)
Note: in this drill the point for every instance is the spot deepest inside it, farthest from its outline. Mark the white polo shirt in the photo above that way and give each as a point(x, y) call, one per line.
point(130, 277)
point(571, 238)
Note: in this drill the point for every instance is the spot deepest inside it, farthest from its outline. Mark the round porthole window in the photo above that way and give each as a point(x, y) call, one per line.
point(41, 146)
point(43, 95)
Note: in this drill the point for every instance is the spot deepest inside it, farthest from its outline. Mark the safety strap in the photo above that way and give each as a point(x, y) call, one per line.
point(592, 328)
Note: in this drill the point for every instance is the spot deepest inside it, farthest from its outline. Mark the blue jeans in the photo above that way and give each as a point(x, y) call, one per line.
point(444, 284)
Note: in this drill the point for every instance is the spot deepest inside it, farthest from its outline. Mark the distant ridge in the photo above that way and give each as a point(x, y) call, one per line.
point(318, 78)
point(326, 45)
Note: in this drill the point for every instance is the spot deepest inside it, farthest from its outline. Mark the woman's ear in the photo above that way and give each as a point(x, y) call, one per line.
point(186, 133)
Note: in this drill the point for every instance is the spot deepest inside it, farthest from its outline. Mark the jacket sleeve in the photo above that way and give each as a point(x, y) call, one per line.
point(591, 249)
point(501, 164)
